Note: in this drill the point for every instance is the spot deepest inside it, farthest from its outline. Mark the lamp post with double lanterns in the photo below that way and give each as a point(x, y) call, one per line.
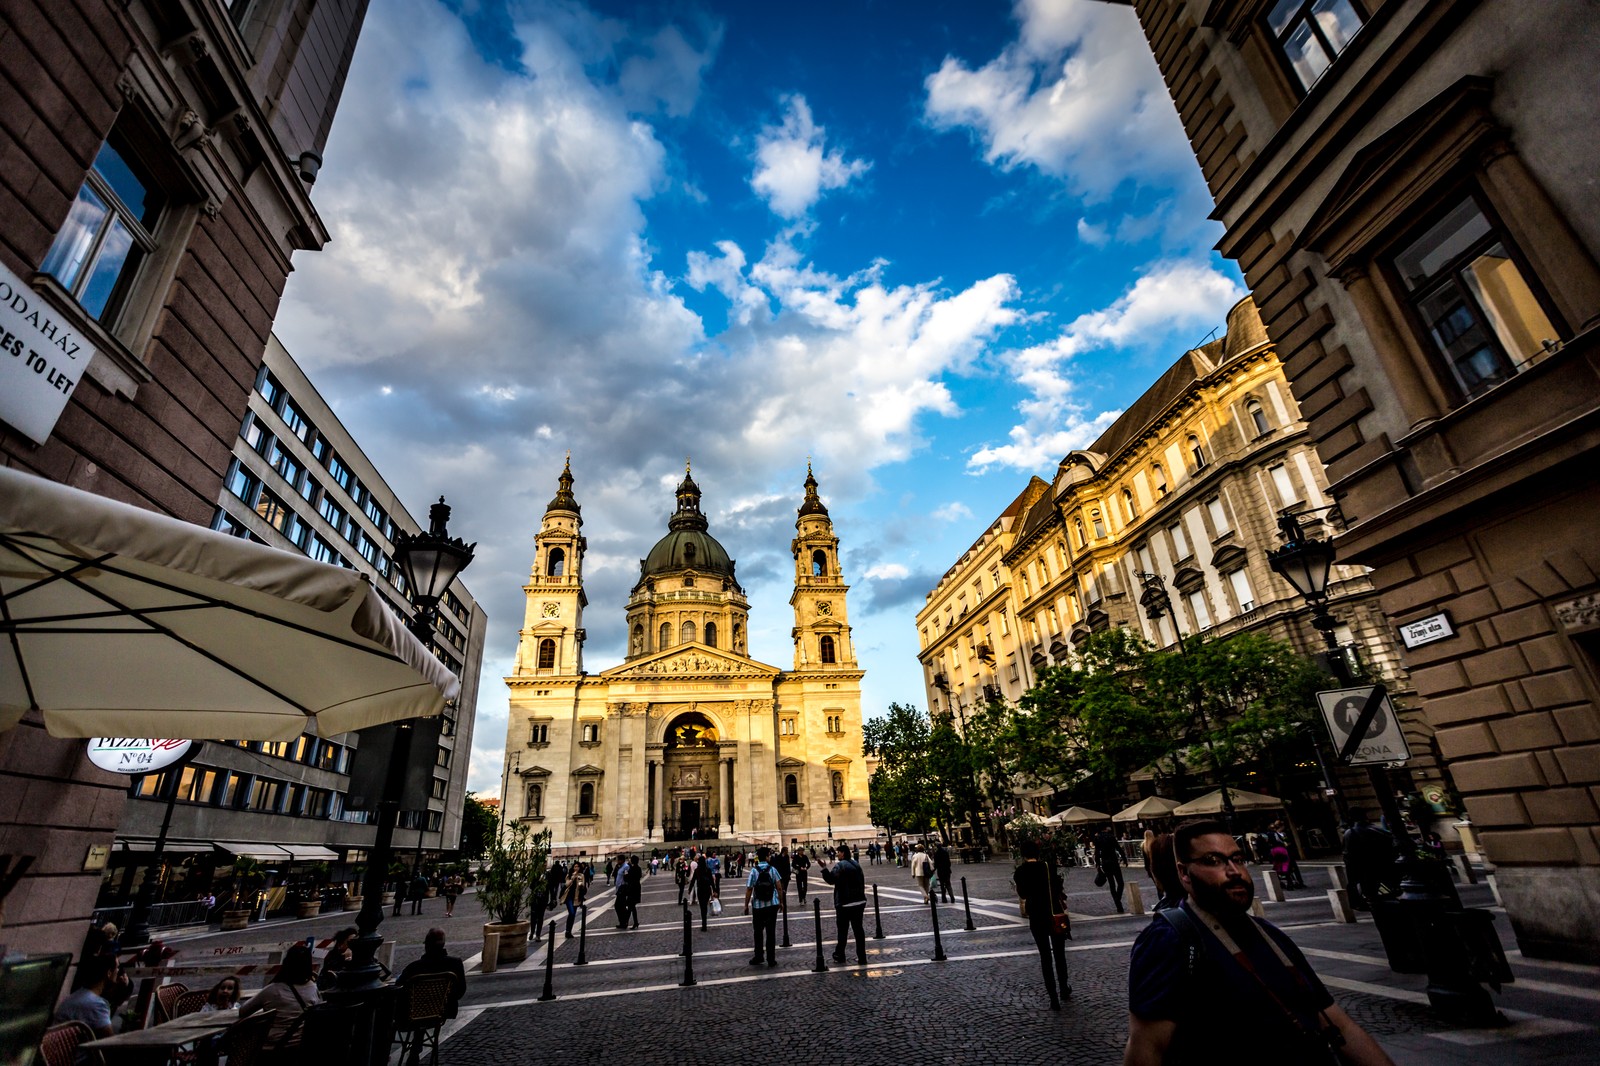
point(1158, 602)
point(430, 561)
point(1425, 930)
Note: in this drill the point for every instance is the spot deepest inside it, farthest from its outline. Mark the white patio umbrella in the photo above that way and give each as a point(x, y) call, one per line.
point(1211, 803)
point(1149, 807)
point(1077, 816)
point(115, 621)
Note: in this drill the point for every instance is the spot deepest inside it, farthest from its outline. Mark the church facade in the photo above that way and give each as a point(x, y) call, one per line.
point(688, 738)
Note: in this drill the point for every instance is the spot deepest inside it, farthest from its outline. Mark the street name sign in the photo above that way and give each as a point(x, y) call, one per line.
point(1382, 741)
point(1427, 630)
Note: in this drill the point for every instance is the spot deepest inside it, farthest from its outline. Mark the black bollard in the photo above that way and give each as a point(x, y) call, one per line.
point(938, 945)
point(877, 918)
point(688, 950)
point(966, 901)
point(785, 917)
point(549, 992)
point(583, 928)
point(820, 967)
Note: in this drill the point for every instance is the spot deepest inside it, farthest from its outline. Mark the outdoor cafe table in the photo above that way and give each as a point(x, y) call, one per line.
point(159, 1043)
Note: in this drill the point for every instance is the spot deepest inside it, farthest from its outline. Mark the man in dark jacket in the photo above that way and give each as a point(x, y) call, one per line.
point(435, 959)
point(941, 866)
point(1108, 859)
point(1368, 858)
point(849, 903)
point(704, 886)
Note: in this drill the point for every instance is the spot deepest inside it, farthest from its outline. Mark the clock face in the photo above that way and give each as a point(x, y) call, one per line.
point(551, 609)
point(824, 608)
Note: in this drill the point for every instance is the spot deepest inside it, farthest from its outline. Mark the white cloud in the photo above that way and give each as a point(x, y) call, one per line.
point(1093, 233)
point(954, 511)
point(793, 169)
point(886, 572)
point(1172, 299)
point(1077, 96)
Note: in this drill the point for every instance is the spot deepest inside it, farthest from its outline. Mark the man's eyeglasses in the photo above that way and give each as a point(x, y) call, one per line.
point(1216, 860)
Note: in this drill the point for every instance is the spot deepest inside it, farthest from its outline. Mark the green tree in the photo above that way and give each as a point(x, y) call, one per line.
point(906, 794)
point(479, 825)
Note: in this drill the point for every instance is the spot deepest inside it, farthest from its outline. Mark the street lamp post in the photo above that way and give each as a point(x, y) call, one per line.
point(1157, 602)
point(431, 561)
point(979, 837)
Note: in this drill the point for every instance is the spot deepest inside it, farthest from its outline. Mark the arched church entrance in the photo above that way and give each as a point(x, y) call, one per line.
point(696, 786)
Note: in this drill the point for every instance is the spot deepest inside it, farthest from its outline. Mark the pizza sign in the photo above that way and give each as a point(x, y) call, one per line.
point(136, 755)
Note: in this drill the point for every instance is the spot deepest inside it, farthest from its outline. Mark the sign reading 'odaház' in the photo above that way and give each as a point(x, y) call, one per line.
point(136, 755)
point(41, 359)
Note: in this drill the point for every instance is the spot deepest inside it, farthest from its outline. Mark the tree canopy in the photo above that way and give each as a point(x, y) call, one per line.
point(479, 825)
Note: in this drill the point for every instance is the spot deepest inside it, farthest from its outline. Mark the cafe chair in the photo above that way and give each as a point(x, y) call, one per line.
point(190, 1002)
point(420, 1015)
point(60, 1044)
point(166, 996)
point(242, 1044)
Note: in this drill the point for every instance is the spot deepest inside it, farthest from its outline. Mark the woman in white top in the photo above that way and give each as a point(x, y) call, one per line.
point(291, 992)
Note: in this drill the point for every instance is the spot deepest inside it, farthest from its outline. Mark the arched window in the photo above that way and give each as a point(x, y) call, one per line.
point(1258, 415)
point(556, 563)
point(547, 654)
point(1159, 476)
point(711, 634)
point(1078, 526)
point(1196, 452)
point(819, 563)
point(838, 786)
point(1127, 505)
point(688, 632)
point(666, 636)
point(827, 650)
point(535, 801)
point(738, 638)
point(638, 639)
point(1098, 523)
point(791, 789)
point(586, 798)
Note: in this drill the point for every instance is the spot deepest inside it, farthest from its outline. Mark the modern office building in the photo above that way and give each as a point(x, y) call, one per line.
point(1408, 187)
point(298, 481)
point(156, 183)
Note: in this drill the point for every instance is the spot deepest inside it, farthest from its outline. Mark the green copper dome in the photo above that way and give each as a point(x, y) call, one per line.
point(687, 545)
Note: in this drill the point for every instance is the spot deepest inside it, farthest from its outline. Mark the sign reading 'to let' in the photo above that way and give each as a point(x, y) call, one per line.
point(136, 755)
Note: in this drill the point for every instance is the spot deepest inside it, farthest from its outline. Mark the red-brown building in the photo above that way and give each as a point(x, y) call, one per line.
point(1409, 189)
point(156, 168)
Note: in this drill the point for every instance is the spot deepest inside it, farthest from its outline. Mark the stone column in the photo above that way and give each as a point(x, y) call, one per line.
point(725, 772)
point(658, 830)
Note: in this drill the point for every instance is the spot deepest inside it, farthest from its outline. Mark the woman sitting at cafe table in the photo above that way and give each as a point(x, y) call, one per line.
point(290, 993)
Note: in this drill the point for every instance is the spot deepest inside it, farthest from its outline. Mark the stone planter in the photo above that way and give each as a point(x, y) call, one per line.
point(235, 919)
point(388, 899)
point(432, 893)
point(352, 903)
point(513, 940)
point(309, 909)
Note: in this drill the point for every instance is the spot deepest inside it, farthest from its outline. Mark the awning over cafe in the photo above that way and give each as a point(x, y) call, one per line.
point(309, 852)
point(121, 622)
point(263, 852)
point(172, 847)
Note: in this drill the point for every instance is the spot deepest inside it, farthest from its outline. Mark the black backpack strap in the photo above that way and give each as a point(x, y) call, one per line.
point(1188, 936)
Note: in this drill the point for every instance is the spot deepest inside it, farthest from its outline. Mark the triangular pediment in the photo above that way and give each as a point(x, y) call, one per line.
point(690, 660)
point(534, 771)
point(587, 770)
point(790, 763)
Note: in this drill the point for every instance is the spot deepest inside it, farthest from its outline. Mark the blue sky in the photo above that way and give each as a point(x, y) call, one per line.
point(932, 246)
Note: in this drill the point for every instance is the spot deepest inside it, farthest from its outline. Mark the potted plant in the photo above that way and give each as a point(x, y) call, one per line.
point(514, 867)
point(310, 901)
point(397, 873)
point(352, 897)
point(246, 871)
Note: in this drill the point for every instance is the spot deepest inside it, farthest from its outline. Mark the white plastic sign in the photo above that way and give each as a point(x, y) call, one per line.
point(41, 359)
point(136, 755)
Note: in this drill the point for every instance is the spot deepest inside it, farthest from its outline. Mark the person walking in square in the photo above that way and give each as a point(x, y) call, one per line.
point(761, 889)
point(1043, 897)
point(419, 889)
point(941, 866)
point(800, 866)
point(922, 871)
point(849, 903)
point(1108, 860)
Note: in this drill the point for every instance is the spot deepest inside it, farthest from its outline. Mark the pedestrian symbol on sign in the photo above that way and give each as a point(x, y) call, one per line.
point(1363, 724)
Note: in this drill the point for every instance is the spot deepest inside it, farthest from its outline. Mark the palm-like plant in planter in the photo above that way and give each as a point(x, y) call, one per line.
point(246, 874)
point(513, 870)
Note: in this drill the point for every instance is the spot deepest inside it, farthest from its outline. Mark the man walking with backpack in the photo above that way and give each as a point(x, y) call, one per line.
point(761, 892)
point(1206, 967)
point(849, 903)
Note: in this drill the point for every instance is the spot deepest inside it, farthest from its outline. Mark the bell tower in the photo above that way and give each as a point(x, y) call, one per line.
point(821, 620)
point(551, 639)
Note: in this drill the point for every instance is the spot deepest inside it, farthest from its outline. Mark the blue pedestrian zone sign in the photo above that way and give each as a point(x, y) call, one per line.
point(1381, 739)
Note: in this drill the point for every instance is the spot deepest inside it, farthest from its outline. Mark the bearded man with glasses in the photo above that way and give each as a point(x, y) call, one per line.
point(1207, 966)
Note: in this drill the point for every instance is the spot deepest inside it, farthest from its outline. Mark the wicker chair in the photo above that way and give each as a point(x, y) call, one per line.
point(60, 1044)
point(166, 997)
point(420, 1015)
point(190, 1002)
point(243, 1043)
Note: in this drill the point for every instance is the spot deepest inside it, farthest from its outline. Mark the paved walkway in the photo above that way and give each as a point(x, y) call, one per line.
point(983, 1003)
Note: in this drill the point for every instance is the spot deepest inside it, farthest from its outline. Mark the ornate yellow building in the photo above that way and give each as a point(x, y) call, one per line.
point(688, 737)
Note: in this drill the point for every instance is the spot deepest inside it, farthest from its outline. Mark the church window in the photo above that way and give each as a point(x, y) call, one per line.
point(538, 734)
point(535, 801)
point(688, 632)
point(666, 636)
point(556, 563)
point(547, 654)
point(827, 650)
point(738, 637)
point(819, 563)
point(791, 789)
point(711, 634)
point(586, 798)
point(638, 639)
point(590, 733)
point(838, 786)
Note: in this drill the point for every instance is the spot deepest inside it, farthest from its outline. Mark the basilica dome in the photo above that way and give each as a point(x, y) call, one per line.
point(687, 545)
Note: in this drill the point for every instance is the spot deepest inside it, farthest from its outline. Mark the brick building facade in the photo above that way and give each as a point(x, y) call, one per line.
point(154, 184)
point(1408, 187)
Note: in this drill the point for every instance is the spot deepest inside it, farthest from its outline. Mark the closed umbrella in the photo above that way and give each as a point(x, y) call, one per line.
point(1149, 807)
point(1211, 803)
point(120, 622)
